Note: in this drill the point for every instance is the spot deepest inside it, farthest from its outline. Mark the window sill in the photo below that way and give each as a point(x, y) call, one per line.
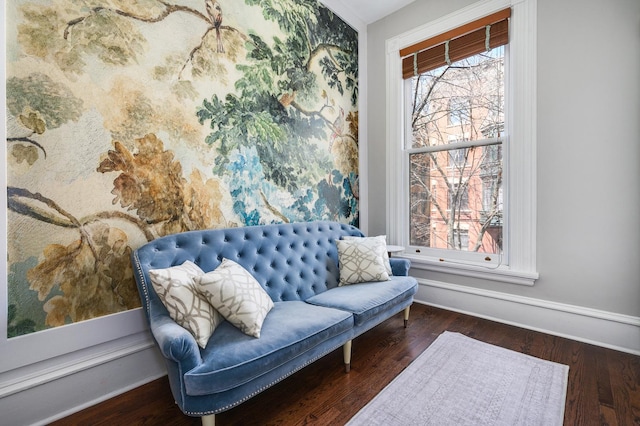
point(501, 273)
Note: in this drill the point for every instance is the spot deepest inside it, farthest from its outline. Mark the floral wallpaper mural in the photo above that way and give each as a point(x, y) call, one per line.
point(129, 120)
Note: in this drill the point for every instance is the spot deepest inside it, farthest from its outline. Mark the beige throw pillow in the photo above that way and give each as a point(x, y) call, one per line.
point(187, 307)
point(362, 260)
point(237, 295)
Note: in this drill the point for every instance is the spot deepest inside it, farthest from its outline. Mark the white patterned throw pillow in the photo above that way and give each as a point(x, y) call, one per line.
point(237, 295)
point(382, 239)
point(187, 307)
point(362, 260)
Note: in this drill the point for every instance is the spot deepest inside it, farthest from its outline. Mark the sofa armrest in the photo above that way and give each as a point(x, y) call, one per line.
point(400, 267)
point(175, 342)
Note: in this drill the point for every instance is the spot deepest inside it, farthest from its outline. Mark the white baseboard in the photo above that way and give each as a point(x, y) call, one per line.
point(42, 395)
point(601, 328)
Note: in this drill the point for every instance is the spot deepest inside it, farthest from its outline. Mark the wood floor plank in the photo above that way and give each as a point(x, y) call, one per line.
point(605, 393)
point(608, 416)
point(582, 387)
point(625, 384)
point(603, 388)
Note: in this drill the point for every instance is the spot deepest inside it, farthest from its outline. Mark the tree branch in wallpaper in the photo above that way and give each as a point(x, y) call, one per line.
point(168, 10)
point(203, 40)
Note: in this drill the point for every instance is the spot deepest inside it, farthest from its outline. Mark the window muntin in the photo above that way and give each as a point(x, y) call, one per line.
point(455, 148)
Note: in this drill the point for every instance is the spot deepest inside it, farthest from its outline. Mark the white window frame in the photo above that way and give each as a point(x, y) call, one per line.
point(518, 264)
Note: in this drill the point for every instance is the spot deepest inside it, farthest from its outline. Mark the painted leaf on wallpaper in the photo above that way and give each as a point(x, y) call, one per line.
point(132, 120)
point(84, 272)
point(152, 185)
point(138, 187)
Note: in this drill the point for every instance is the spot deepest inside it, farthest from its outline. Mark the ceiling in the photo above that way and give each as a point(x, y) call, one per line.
point(372, 10)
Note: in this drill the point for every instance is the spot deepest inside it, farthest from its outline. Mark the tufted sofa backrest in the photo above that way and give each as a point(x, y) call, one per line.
point(291, 261)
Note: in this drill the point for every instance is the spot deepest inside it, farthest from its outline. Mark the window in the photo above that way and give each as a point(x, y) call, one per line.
point(451, 105)
point(461, 142)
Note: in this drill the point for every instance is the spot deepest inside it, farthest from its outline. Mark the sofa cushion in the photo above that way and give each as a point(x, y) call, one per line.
point(366, 300)
point(186, 306)
point(236, 294)
point(290, 330)
point(362, 260)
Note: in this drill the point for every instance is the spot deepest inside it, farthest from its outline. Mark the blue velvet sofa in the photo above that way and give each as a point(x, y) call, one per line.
point(297, 265)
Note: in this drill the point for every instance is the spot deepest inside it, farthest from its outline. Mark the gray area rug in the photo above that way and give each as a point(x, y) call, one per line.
point(461, 381)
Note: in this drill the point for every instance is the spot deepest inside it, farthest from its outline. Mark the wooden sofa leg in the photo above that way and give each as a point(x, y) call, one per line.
point(209, 420)
point(406, 315)
point(346, 351)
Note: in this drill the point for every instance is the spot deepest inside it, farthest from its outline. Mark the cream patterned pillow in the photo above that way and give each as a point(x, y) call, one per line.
point(383, 240)
point(177, 291)
point(362, 260)
point(237, 295)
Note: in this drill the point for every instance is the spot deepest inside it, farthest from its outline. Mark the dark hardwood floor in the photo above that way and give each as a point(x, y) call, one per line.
point(603, 388)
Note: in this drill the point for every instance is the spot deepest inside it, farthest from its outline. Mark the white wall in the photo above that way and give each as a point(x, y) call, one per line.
point(588, 173)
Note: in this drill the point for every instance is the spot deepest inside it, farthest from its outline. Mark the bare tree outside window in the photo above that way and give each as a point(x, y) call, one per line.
point(455, 157)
